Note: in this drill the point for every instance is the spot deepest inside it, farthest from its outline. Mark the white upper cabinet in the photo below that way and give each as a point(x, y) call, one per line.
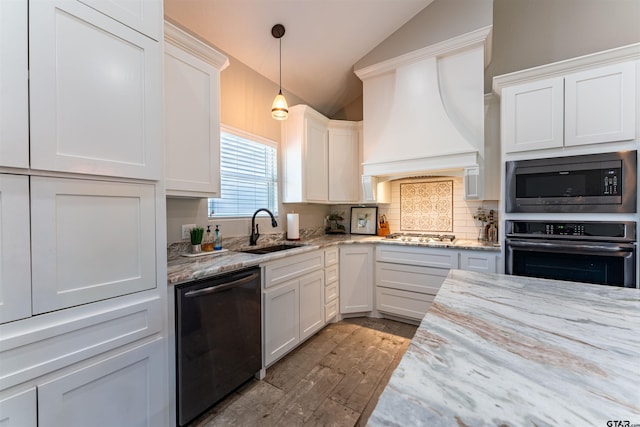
point(344, 174)
point(14, 90)
point(95, 93)
point(533, 115)
point(320, 158)
point(144, 16)
point(305, 156)
point(91, 240)
point(600, 105)
point(15, 255)
point(192, 115)
point(586, 100)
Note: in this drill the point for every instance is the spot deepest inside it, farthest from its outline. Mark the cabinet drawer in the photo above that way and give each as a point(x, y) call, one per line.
point(331, 274)
point(402, 303)
point(42, 344)
point(289, 268)
point(330, 310)
point(330, 256)
point(331, 293)
point(426, 280)
point(427, 257)
point(478, 261)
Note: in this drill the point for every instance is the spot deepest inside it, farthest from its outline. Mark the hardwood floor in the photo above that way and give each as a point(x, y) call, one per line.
point(333, 379)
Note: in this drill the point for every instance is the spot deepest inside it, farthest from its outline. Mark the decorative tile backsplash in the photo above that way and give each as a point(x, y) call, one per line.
point(427, 206)
point(464, 226)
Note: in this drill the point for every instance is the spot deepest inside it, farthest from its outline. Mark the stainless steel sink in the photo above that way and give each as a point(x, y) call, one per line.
point(269, 249)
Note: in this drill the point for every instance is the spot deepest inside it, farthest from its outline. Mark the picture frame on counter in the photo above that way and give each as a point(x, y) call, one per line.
point(364, 220)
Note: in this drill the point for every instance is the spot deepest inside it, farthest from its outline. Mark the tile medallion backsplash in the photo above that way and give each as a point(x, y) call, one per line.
point(427, 206)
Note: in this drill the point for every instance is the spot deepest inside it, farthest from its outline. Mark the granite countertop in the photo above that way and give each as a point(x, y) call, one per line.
point(182, 269)
point(514, 351)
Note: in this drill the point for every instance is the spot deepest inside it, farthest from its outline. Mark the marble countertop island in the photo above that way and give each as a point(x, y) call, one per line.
point(497, 350)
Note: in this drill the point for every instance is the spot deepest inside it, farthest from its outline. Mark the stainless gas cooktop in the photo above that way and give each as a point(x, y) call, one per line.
point(422, 237)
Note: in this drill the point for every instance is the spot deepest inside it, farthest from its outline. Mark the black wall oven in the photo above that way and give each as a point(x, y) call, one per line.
point(605, 182)
point(591, 252)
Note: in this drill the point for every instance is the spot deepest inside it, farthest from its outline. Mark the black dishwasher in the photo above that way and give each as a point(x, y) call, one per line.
point(218, 339)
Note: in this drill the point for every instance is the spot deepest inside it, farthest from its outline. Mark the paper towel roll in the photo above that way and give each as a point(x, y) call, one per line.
point(293, 226)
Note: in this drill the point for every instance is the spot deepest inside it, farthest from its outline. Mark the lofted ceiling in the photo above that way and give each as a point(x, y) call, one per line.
point(323, 39)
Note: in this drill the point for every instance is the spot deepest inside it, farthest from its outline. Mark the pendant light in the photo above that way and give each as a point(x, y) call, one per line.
point(279, 109)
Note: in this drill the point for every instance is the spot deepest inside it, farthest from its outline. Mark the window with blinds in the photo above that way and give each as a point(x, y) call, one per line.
point(248, 175)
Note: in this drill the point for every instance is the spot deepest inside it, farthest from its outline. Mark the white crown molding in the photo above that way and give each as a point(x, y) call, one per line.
point(561, 68)
point(187, 42)
point(479, 36)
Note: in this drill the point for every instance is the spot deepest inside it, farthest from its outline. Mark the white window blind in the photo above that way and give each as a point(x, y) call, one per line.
point(248, 175)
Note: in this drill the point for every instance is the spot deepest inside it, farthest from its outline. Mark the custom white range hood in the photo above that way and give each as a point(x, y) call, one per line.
point(424, 111)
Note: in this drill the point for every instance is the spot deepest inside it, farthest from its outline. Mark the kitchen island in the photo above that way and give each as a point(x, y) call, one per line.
point(516, 351)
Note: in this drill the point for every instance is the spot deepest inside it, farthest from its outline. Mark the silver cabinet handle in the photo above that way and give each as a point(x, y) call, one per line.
point(222, 287)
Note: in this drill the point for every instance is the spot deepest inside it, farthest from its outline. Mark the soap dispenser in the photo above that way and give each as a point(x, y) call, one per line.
point(218, 239)
point(207, 244)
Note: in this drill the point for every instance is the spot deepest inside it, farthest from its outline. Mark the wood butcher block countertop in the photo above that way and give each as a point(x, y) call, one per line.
point(496, 350)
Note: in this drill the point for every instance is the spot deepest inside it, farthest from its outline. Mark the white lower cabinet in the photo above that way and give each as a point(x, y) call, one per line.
point(356, 278)
point(19, 409)
point(331, 283)
point(311, 304)
point(480, 261)
point(101, 364)
point(408, 278)
point(294, 306)
point(282, 320)
point(124, 389)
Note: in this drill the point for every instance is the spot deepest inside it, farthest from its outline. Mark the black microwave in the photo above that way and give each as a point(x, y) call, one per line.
point(605, 182)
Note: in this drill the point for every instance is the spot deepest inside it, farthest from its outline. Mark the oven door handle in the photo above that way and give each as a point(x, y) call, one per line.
point(221, 287)
point(591, 248)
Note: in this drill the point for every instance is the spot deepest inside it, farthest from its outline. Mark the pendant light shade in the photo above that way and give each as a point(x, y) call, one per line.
point(279, 109)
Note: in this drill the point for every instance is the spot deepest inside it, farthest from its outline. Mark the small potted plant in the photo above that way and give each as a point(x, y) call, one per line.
point(196, 234)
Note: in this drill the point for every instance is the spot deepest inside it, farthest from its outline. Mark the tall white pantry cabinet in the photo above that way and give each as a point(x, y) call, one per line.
point(82, 235)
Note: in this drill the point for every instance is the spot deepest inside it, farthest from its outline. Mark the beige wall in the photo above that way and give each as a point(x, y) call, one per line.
point(245, 104)
point(440, 21)
point(530, 33)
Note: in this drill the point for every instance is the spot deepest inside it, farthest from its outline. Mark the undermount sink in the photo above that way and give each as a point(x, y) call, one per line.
point(269, 249)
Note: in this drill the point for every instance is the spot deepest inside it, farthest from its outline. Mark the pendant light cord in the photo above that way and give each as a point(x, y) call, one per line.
point(280, 39)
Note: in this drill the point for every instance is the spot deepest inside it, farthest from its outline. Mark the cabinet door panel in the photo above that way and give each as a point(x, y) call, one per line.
point(131, 381)
point(282, 314)
point(20, 409)
point(91, 241)
point(141, 15)
point(14, 90)
point(311, 304)
point(356, 279)
point(344, 175)
point(316, 170)
point(192, 130)
point(95, 88)
point(533, 115)
point(600, 105)
point(15, 255)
